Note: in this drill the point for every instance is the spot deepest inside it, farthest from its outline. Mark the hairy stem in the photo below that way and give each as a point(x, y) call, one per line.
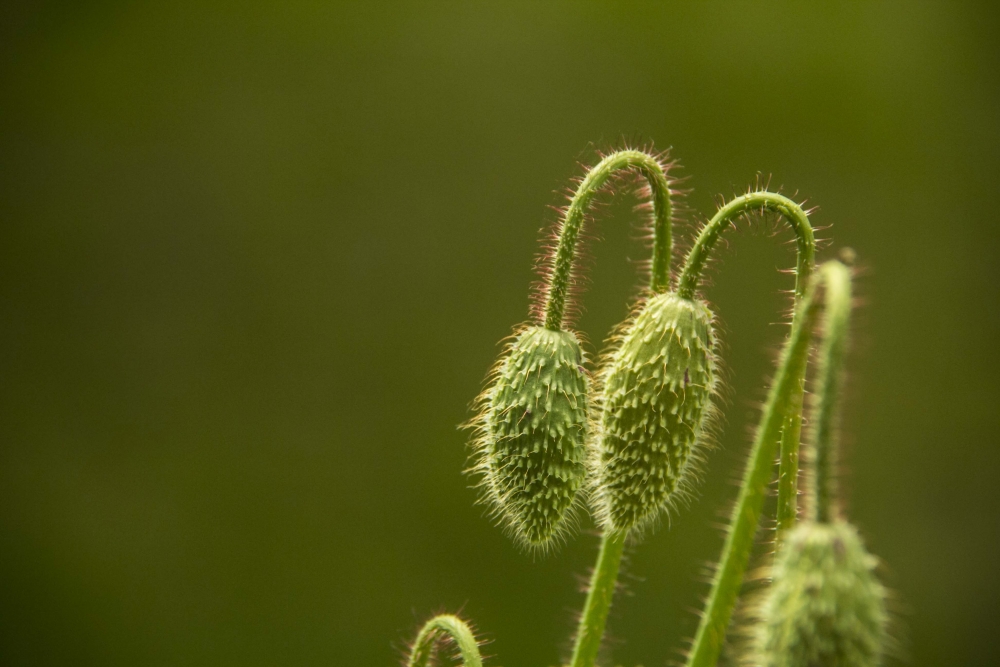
point(788, 463)
point(752, 202)
point(599, 596)
point(822, 506)
point(439, 628)
point(561, 268)
point(687, 285)
point(746, 514)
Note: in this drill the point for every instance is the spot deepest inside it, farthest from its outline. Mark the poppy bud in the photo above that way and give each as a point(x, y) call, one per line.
point(657, 397)
point(533, 431)
point(825, 606)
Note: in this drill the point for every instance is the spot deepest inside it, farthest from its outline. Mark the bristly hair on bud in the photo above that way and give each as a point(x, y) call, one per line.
point(825, 607)
point(656, 409)
point(530, 442)
point(531, 432)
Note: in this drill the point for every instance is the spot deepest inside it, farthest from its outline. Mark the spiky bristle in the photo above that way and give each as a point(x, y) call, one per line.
point(656, 404)
point(531, 435)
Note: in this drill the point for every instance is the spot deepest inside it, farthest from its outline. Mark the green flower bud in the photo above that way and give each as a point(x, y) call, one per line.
point(656, 402)
point(533, 428)
point(825, 606)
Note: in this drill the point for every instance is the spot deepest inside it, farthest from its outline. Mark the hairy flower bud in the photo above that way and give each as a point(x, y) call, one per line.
point(532, 433)
point(825, 606)
point(656, 400)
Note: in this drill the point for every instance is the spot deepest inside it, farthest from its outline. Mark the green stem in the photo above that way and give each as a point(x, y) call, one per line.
point(561, 267)
point(687, 285)
point(786, 513)
point(829, 379)
point(752, 202)
point(439, 628)
point(746, 514)
point(602, 590)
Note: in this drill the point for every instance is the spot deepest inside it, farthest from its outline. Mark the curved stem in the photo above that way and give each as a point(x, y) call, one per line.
point(569, 232)
point(687, 285)
point(437, 629)
point(599, 596)
point(746, 514)
point(751, 202)
point(830, 374)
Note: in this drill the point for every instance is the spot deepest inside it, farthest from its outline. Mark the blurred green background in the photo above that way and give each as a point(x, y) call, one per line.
point(254, 261)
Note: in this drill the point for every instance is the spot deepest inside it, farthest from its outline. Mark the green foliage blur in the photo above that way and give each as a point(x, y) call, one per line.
point(255, 259)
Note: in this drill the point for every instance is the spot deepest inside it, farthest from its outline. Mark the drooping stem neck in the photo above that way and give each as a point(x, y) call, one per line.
point(441, 627)
point(599, 596)
point(823, 502)
point(564, 257)
point(690, 276)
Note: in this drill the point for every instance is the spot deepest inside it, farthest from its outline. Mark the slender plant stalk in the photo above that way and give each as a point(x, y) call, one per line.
point(594, 618)
point(782, 419)
point(746, 514)
point(439, 628)
point(569, 233)
point(822, 506)
point(687, 285)
point(595, 611)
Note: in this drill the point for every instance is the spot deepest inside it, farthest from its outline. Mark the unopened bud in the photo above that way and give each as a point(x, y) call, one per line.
point(533, 432)
point(657, 398)
point(825, 606)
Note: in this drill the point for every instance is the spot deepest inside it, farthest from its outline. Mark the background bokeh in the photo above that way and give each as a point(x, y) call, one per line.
point(255, 258)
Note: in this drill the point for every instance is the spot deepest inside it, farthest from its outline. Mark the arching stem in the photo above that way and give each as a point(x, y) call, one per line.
point(590, 632)
point(687, 285)
point(561, 268)
point(751, 202)
point(602, 590)
point(439, 628)
point(822, 505)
